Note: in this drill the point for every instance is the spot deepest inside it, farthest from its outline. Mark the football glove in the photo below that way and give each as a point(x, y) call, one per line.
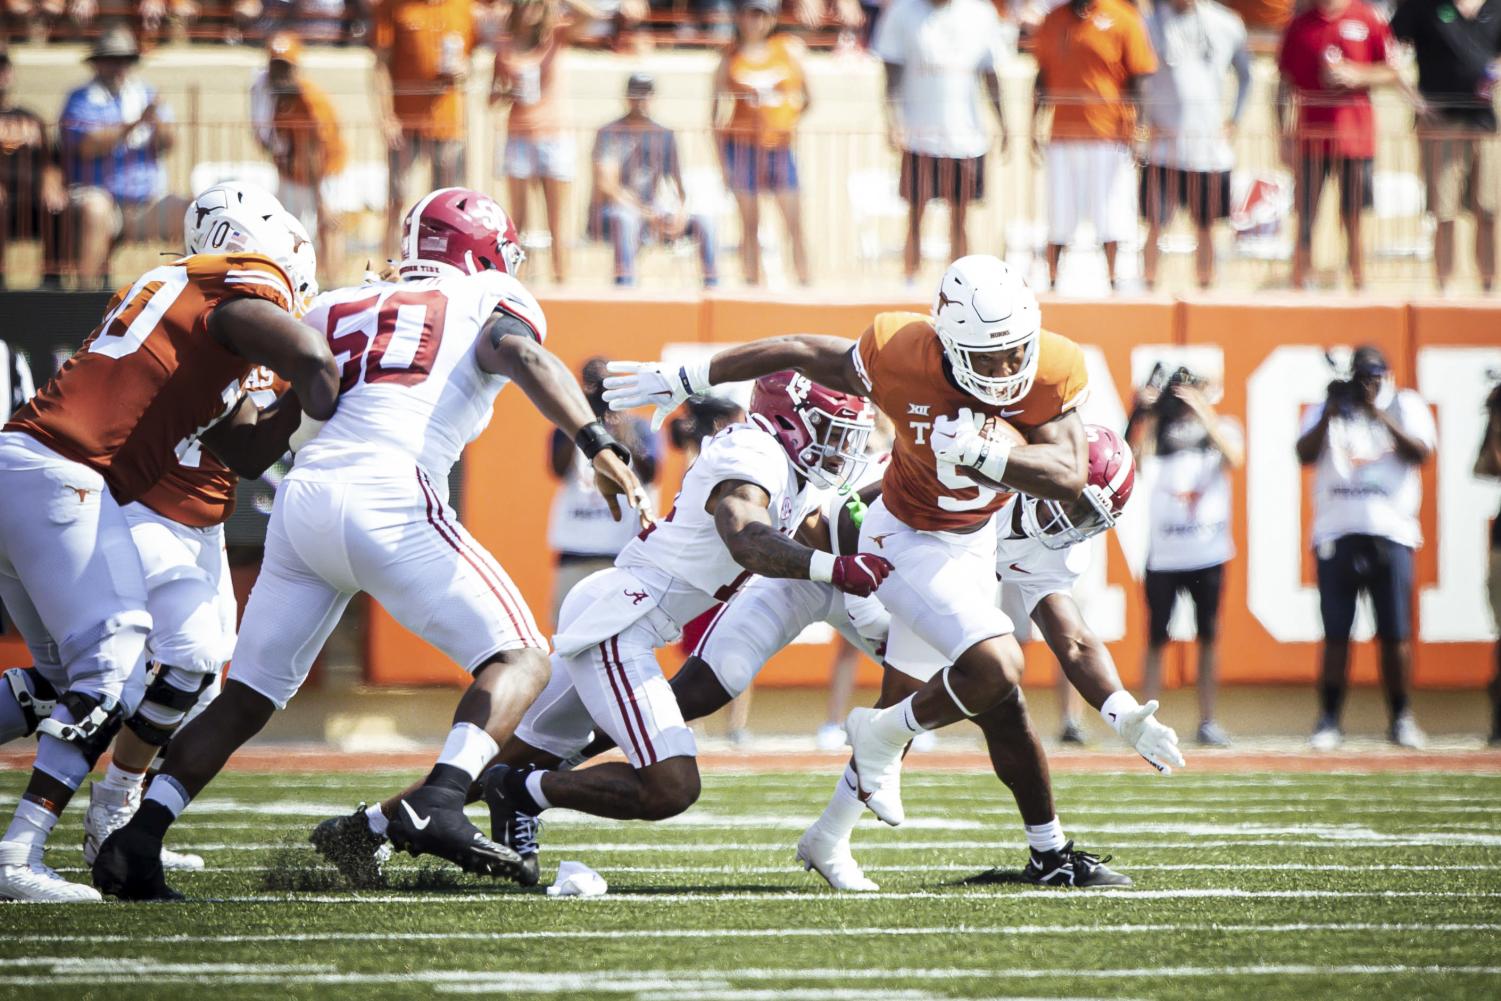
point(650, 383)
point(1153, 740)
point(859, 574)
point(957, 440)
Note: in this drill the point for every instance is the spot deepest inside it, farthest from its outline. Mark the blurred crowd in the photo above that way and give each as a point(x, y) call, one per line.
point(1134, 114)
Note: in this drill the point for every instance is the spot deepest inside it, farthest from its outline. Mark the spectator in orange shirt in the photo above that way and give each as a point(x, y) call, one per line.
point(761, 79)
point(305, 143)
point(422, 50)
point(1091, 58)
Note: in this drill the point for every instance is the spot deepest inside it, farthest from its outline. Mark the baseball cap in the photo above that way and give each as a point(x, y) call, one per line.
point(768, 6)
point(1368, 360)
point(639, 85)
point(284, 47)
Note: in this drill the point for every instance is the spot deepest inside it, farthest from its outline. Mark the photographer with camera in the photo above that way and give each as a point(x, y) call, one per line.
point(1186, 451)
point(1367, 439)
point(1488, 464)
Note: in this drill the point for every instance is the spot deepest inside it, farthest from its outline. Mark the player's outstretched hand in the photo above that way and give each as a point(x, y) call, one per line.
point(647, 384)
point(957, 440)
point(1153, 740)
point(859, 574)
point(615, 480)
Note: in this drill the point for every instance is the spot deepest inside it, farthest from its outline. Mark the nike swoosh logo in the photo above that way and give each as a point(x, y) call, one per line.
point(418, 822)
point(1019, 569)
point(1011, 413)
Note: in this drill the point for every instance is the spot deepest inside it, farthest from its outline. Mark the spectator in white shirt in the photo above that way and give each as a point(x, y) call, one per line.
point(1188, 151)
point(937, 55)
point(1488, 465)
point(1367, 440)
point(1186, 451)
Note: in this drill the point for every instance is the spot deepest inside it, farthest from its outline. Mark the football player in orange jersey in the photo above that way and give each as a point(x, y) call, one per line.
point(161, 371)
point(952, 654)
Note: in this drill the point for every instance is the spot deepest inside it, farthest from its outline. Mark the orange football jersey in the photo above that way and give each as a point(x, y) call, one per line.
point(903, 365)
point(198, 490)
point(150, 377)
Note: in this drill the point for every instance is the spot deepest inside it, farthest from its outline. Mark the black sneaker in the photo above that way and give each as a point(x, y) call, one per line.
point(355, 850)
point(431, 821)
point(512, 826)
point(1070, 867)
point(129, 866)
point(1073, 733)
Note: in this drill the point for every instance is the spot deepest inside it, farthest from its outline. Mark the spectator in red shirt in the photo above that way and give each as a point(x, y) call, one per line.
point(1332, 54)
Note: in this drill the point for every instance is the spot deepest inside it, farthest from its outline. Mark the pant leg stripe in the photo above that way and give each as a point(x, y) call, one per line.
point(625, 716)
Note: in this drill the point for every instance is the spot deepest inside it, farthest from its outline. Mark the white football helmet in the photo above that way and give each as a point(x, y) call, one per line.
point(233, 218)
point(984, 306)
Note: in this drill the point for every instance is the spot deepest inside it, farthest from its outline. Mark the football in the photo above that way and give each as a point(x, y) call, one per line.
point(995, 429)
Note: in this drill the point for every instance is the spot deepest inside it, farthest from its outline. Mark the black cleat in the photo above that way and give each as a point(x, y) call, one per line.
point(355, 850)
point(431, 821)
point(512, 826)
point(129, 866)
point(1070, 867)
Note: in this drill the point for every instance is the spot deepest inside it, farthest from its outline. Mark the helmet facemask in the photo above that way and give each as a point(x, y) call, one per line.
point(837, 452)
point(1059, 526)
point(997, 390)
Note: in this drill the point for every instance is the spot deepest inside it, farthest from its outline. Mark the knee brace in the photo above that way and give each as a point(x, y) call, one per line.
point(101, 658)
point(33, 695)
point(165, 703)
point(93, 721)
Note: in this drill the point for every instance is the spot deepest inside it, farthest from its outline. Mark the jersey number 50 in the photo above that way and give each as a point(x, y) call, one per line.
point(402, 337)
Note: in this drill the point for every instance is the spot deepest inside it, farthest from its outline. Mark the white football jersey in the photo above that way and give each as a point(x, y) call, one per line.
point(682, 557)
point(1034, 570)
point(411, 386)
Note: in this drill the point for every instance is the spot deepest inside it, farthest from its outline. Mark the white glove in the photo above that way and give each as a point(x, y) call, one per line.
point(650, 383)
point(956, 440)
point(1139, 727)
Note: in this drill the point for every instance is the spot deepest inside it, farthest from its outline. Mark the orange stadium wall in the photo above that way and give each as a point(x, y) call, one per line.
point(1273, 368)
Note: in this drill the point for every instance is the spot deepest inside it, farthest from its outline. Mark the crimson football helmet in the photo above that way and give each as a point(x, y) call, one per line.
point(824, 431)
point(1112, 475)
point(458, 231)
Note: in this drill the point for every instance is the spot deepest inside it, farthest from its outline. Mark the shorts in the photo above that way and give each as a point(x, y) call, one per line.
point(1462, 174)
point(1203, 587)
point(70, 577)
point(1164, 190)
point(754, 170)
point(1093, 180)
point(765, 616)
point(1379, 567)
point(941, 593)
point(1314, 165)
point(392, 536)
point(157, 220)
point(950, 178)
point(549, 157)
point(614, 683)
point(1493, 587)
point(188, 591)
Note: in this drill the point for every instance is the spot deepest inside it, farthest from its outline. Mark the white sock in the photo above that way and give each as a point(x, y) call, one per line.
point(534, 788)
point(844, 809)
point(122, 780)
point(169, 793)
point(468, 748)
point(897, 724)
point(31, 824)
point(1045, 837)
point(376, 820)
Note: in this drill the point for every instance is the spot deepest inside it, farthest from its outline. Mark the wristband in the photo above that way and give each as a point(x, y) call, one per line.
point(694, 378)
point(821, 567)
point(592, 439)
point(993, 460)
point(1116, 707)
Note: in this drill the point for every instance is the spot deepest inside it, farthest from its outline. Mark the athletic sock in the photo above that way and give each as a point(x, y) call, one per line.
point(1398, 702)
point(32, 824)
point(467, 750)
point(121, 780)
point(1330, 698)
point(1045, 837)
point(533, 786)
point(164, 803)
point(844, 809)
point(897, 724)
point(376, 820)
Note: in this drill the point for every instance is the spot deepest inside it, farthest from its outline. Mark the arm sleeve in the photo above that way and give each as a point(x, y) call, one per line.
point(1381, 40)
point(76, 120)
point(989, 26)
point(1140, 59)
point(865, 354)
point(1416, 418)
point(239, 276)
point(748, 454)
point(890, 32)
point(512, 298)
point(1074, 389)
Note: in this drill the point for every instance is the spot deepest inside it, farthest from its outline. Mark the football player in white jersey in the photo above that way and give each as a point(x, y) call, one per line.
point(1037, 553)
point(745, 496)
point(365, 509)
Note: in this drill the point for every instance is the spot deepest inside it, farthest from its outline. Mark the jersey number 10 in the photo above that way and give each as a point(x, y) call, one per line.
point(395, 343)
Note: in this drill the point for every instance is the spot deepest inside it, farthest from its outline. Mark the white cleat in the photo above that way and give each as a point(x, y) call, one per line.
point(878, 766)
point(831, 859)
point(23, 876)
point(109, 811)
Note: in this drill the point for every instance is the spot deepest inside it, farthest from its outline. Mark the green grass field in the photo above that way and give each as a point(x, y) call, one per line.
point(1298, 886)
